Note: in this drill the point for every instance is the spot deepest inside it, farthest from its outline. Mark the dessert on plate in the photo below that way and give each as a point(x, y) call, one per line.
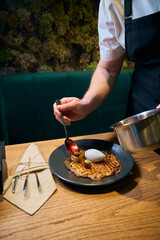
point(93, 164)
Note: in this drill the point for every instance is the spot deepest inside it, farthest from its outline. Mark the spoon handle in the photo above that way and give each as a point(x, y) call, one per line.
point(38, 182)
point(25, 185)
point(58, 102)
point(14, 186)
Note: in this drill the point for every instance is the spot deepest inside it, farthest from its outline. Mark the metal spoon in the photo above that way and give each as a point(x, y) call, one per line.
point(25, 185)
point(14, 185)
point(38, 182)
point(70, 145)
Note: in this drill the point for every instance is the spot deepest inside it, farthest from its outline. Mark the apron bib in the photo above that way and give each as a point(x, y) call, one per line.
point(142, 40)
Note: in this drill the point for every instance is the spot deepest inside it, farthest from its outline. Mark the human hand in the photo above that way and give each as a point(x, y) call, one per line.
point(158, 106)
point(72, 108)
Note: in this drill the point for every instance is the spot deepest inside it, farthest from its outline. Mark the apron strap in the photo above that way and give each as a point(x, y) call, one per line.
point(127, 8)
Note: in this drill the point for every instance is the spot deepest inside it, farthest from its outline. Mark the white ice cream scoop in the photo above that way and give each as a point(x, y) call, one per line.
point(94, 155)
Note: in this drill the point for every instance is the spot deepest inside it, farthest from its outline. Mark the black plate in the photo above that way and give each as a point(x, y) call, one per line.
point(59, 155)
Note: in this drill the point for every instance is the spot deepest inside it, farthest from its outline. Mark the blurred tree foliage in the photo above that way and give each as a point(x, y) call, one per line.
point(49, 34)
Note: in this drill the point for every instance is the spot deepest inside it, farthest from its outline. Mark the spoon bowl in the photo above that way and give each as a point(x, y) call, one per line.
point(70, 145)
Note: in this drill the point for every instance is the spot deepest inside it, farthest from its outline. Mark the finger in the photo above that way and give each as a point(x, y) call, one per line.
point(66, 120)
point(69, 100)
point(70, 106)
point(54, 107)
point(65, 100)
point(57, 115)
point(56, 110)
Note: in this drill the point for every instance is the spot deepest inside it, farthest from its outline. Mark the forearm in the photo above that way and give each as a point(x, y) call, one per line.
point(99, 89)
point(102, 83)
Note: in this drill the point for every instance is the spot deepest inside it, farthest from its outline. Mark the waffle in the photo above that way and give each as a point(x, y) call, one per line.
point(97, 170)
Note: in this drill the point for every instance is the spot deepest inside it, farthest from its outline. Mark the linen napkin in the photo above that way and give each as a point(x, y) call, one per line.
point(31, 162)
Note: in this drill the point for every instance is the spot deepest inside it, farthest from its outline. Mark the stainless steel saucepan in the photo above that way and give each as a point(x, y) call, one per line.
point(140, 132)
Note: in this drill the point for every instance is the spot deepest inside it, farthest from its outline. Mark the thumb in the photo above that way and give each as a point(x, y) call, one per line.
point(66, 107)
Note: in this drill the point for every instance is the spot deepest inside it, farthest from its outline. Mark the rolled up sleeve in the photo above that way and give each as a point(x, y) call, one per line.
point(111, 31)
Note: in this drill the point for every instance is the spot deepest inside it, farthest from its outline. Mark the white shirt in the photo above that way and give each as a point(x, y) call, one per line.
point(111, 24)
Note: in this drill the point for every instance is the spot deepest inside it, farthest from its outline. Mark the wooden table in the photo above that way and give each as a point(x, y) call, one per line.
point(128, 210)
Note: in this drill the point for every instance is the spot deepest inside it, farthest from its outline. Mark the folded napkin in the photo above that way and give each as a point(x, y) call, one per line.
point(31, 162)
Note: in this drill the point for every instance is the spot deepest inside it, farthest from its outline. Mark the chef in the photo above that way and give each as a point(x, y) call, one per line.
point(126, 27)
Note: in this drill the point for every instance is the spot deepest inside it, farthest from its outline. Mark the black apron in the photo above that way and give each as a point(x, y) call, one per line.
point(142, 40)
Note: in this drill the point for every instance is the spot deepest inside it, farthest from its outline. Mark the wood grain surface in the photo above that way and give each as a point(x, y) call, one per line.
point(127, 210)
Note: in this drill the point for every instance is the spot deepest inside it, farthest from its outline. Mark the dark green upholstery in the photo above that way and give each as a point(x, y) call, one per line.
point(26, 105)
